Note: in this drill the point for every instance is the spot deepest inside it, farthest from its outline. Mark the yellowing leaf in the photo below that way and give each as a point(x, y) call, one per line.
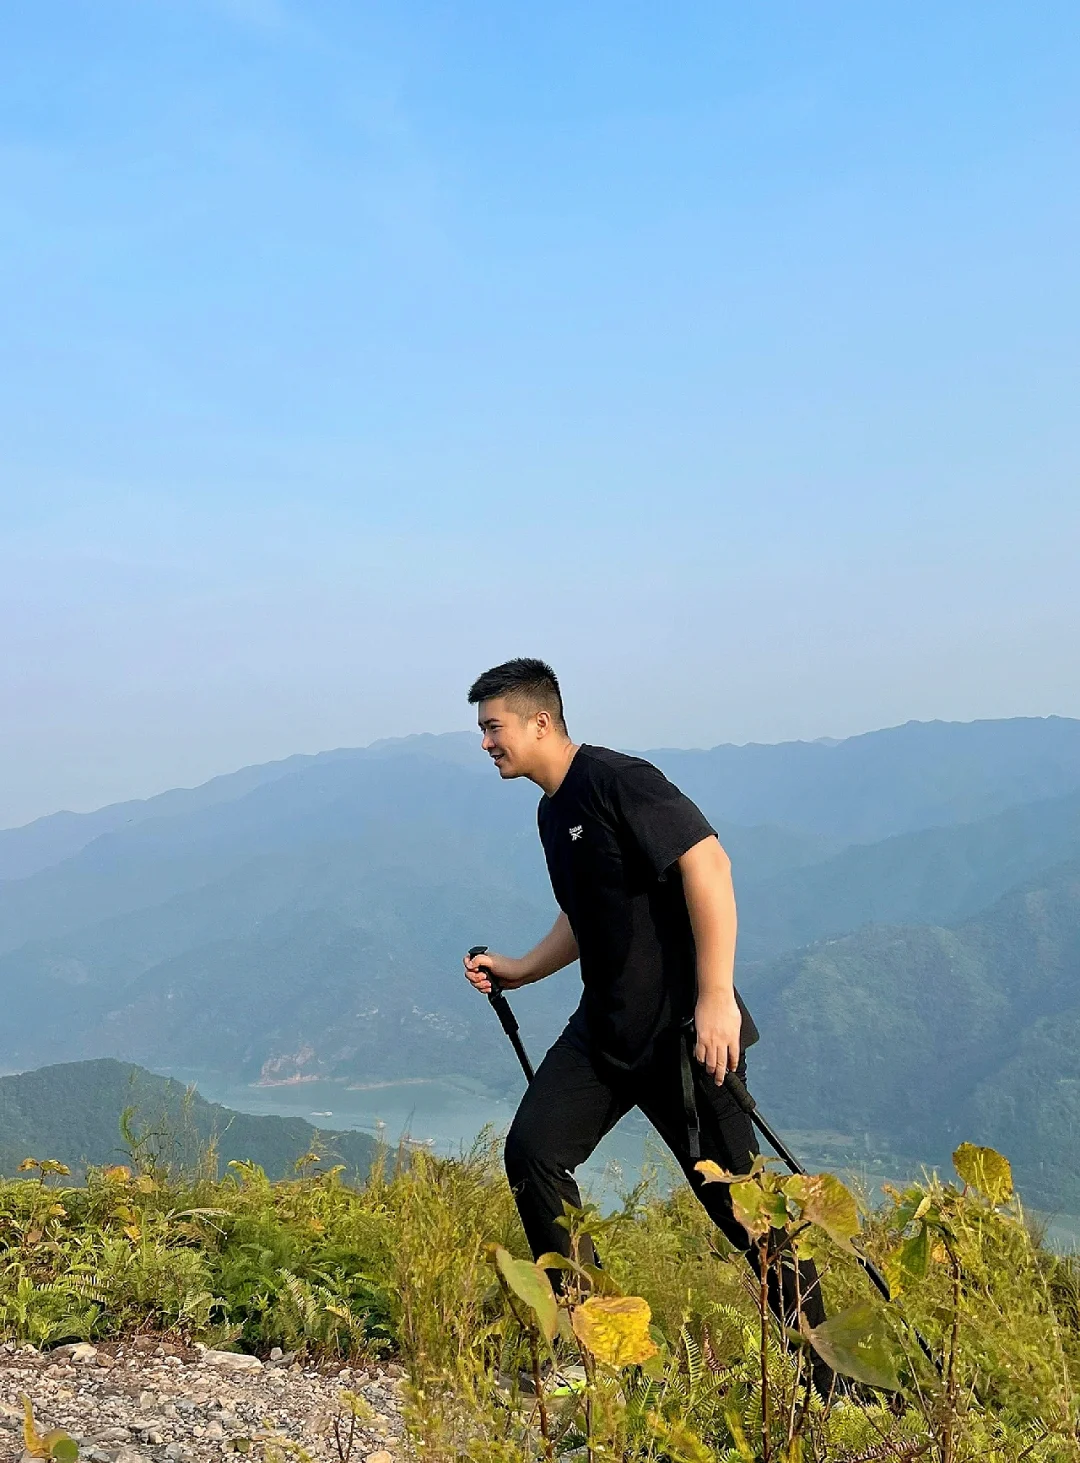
point(28, 1163)
point(985, 1170)
point(825, 1201)
point(615, 1329)
point(530, 1284)
point(35, 1443)
point(712, 1173)
point(751, 1208)
point(55, 1444)
point(116, 1173)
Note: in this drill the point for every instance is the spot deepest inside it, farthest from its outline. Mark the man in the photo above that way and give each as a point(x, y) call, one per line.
point(647, 906)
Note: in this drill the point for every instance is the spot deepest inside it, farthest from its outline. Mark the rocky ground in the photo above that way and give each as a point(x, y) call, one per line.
point(145, 1400)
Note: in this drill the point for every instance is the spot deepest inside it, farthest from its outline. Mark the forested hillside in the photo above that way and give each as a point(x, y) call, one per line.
point(926, 1034)
point(72, 1113)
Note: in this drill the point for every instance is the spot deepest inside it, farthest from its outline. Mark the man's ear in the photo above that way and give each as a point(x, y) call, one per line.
point(543, 723)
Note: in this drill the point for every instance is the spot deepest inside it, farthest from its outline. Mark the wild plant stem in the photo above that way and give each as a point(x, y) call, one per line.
point(538, 1387)
point(799, 1353)
point(590, 1381)
point(763, 1307)
point(950, 1382)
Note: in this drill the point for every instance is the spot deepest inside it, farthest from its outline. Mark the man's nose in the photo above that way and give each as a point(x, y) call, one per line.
point(487, 744)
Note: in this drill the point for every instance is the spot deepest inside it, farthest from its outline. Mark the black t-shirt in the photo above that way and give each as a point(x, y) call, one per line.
point(612, 833)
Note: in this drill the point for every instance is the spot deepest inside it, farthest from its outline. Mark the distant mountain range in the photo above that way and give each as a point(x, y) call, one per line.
point(72, 1112)
point(308, 918)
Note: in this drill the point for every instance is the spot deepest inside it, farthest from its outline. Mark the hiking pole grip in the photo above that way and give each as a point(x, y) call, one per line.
point(507, 1020)
point(738, 1089)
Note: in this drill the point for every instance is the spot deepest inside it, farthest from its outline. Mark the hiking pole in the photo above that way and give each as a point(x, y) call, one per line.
point(507, 1020)
point(738, 1089)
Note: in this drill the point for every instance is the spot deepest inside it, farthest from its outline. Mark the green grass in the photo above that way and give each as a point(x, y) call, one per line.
point(403, 1264)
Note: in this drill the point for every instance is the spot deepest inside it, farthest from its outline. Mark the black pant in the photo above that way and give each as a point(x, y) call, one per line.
point(575, 1098)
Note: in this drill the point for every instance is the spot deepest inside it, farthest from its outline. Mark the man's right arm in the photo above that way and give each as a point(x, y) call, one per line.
point(556, 949)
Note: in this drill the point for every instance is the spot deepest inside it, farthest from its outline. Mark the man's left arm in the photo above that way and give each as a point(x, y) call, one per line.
point(710, 900)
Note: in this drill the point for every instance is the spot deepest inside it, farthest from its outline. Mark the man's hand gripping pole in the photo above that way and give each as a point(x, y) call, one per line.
point(507, 1020)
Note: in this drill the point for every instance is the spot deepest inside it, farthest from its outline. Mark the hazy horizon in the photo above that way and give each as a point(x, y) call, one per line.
point(462, 732)
point(726, 358)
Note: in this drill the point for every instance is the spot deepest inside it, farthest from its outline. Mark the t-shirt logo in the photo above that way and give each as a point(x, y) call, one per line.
point(576, 832)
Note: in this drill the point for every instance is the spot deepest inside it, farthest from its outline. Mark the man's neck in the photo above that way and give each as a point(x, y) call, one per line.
point(550, 777)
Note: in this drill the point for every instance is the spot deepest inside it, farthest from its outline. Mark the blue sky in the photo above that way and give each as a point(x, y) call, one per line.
point(724, 354)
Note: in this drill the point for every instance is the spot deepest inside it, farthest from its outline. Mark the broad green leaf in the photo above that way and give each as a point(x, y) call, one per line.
point(912, 1202)
point(915, 1255)
point(600, 1281)
point(615, 1330)
point(530, 1284)
point(64, 1449)
point(985, 1170)
point(909, 1261)
point(777, 1208)
point(552, 1260)
point(752, 1209)
point(856, 1343)
point(825, 1201)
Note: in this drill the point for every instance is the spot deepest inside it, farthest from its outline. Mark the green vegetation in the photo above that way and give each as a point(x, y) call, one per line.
point(71, 1111)
point(676, 1357)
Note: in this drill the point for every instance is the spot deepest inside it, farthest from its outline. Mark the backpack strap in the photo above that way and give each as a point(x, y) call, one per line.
point(686, 1059)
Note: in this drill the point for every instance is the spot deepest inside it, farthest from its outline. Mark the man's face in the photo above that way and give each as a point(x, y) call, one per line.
point(509, 737)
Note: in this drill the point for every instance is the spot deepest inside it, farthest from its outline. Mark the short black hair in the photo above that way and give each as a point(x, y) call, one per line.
point(529, 685)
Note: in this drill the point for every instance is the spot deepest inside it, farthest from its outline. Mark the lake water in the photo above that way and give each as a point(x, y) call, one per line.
point(449, 1114)
point(445, 1114)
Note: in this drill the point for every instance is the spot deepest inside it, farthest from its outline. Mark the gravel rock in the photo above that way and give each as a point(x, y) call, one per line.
point(232, 1361)
point(144, 1400)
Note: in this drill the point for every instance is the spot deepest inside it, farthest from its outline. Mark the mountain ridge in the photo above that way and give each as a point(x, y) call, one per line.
point(45, 841)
